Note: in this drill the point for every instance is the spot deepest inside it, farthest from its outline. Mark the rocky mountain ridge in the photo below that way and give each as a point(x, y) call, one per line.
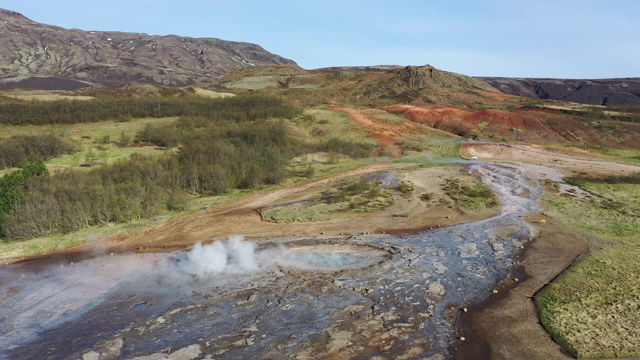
point(31, 52)
point(625, 91)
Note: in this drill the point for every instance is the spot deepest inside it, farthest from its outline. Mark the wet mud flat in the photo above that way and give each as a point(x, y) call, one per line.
point(363, 296)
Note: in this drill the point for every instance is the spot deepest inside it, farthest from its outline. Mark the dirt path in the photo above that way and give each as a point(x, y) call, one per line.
point(536, 156)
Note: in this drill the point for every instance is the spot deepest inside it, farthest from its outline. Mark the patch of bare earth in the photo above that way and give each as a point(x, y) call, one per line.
point(409, 212)
point(385, 133)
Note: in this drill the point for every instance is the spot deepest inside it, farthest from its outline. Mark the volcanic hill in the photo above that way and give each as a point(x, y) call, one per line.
point(50, 57)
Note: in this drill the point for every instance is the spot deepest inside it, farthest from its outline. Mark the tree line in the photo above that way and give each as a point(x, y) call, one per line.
point(13, 188)
point(239, 108)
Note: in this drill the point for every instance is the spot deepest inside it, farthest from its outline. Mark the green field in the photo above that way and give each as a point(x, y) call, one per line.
point(320, 124)
point(593, 309)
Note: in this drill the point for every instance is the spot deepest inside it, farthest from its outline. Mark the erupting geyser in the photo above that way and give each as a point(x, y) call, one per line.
point(237, 256)
point(233, 256)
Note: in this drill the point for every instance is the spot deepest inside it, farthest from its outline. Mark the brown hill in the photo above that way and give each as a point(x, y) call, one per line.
point(357, 86)
point(34, 55)
point(446, 101)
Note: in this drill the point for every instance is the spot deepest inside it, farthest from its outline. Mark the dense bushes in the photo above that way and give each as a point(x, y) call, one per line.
point(17, 151)
point(241, 108)
point(212, 162)
point(12, 188)
point(222, 144)
point(73, 200)
point(216, 154)
point(351, 148)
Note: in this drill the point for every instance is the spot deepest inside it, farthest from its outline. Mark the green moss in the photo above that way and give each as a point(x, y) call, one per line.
point(471, 197)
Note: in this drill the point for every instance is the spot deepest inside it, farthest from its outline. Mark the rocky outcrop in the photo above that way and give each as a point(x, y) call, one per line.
point(597, 92)
point(32, 50)
point(425, 77)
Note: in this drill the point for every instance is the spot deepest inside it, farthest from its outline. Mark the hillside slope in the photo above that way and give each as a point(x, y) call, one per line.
point(458, 104)
point(357, 86)
point(44, 56)
point(596, 92)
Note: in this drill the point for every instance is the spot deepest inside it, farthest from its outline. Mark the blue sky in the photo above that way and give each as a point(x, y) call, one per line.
point(515, 38)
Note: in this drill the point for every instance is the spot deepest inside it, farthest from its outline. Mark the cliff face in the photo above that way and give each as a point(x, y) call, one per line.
point(597, 92)
point(31, 50)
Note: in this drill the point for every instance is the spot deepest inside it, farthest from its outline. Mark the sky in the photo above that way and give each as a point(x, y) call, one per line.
point(512, 38)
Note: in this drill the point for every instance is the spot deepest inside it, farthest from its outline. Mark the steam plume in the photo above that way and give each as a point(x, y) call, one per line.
point(233, 256)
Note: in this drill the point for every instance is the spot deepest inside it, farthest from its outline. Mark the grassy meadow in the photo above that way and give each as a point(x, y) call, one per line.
point(593, 308)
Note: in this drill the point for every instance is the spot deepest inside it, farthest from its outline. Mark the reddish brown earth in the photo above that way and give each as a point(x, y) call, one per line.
point(535, 126)
point(446, 119)
point(385, 133)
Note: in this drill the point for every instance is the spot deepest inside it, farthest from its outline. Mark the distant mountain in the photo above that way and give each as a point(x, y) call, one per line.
point(50, 57)
point(597, 92)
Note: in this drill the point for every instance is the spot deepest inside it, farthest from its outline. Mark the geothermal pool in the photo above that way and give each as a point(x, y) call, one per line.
point(359, 297)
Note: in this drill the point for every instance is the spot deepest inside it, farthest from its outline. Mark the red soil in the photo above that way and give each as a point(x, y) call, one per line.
point(385, 133)
point(447, 119)
point(532, 126)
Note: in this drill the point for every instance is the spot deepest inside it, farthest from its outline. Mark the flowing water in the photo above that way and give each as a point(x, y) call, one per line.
point(363, 296)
